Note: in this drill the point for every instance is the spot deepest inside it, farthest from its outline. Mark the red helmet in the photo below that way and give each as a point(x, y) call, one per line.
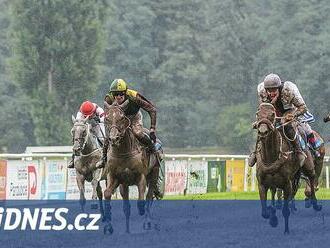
point(87, 108)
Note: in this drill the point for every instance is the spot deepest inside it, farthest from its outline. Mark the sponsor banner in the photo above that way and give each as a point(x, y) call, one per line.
point(197, 177)
point(175, 177)
point(183, 224)
point(216, 176)
point(17, 180)
point(36, 183)
point(235, 175)
point(55, 179)
point(3, 176)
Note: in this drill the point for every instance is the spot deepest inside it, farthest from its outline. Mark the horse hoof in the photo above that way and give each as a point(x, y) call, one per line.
point(94, 206)
point(265, 215)
point(141, 207)
point(317, 207)
point(108, 229)
point(147, 225)
point(273, 221)
point(286, 232)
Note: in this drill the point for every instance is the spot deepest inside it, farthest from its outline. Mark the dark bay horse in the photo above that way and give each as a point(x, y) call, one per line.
point(318, 166)
point(278, 167)
point(87, 154)
point(128, 164)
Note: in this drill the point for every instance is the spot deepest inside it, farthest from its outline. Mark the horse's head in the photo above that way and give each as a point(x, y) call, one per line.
point(265, 119)
point(116, 122)
point(79, 131)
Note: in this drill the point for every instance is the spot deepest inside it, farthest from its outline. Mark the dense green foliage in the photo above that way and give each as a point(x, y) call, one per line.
point(198, 61)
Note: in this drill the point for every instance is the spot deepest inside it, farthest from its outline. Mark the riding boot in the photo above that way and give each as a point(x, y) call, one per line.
point(146, 141)
point(311, 139)
point(103, 161)
point(71, 162)
point(294, 140)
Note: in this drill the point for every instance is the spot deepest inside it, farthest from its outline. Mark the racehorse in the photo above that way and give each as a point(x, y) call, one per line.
point(128, 164)
point(277, 165)
point(318, 163)
point(87, 154)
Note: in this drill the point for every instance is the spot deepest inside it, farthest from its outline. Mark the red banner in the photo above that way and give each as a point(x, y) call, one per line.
point(3, 176)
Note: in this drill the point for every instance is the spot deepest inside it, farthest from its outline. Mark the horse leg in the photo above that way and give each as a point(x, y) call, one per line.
point(81, 185)
point(124, 191)
point(273, 191)
point(152, 184)
point(113, 184)
point(279, 202)
point(273, 221)
point(318, 163)
point(286, 210)
point(94, 193)
point(100, 197)
point(309, 171)
point(263, 199)
point(142, 189)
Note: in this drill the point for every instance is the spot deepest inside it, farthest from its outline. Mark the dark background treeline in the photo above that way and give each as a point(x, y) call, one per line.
point(198, 61)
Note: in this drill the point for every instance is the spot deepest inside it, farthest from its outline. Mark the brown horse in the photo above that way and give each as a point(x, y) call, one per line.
point(87, 154)
point(277, 165)
point(128, 164)
point(318, 163)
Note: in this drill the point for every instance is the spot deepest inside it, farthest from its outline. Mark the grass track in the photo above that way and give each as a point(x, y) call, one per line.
point(322, 194)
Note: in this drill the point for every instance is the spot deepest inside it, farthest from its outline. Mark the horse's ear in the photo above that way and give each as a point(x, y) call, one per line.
point(106, 105)
point(73, 119)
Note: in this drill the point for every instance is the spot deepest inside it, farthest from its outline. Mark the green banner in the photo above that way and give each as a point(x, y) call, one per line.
point(216, 176)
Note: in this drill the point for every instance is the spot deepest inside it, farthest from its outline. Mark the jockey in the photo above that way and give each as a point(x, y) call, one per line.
point(95, 115)
point(286, 99)
point(120, 93)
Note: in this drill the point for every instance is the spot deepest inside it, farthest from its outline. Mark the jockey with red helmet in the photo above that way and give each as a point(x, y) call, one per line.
point(95, 115)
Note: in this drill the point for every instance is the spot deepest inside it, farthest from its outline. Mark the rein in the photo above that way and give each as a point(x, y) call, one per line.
point(85, 140)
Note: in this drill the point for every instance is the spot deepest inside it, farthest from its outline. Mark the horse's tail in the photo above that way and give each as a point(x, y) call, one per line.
point(271, 168)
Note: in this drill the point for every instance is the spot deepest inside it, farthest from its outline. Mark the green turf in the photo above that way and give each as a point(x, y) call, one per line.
point(322, 194)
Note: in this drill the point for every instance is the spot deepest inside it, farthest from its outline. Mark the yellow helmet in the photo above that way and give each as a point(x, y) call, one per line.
point(118, 85)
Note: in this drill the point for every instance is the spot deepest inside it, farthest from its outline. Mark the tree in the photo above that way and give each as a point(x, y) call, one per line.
point(57, 49)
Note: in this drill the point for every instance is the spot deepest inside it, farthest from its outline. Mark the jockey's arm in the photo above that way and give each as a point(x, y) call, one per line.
point(149, 107)
point(100, 114)
point(298, 101)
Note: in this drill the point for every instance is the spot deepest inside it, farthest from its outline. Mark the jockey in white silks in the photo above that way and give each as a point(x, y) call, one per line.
point(286, 99)
point(95, 116)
